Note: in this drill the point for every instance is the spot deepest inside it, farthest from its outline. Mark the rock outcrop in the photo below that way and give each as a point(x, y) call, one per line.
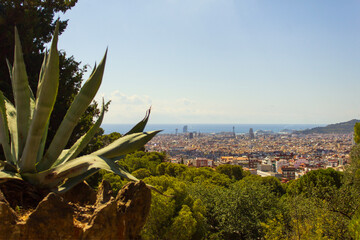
point(79, 214)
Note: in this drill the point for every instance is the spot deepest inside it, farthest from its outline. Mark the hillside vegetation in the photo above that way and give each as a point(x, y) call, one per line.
point(339, 128)
point(229, 203)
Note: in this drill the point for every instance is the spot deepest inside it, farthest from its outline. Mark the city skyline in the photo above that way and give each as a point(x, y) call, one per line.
point(222, 61)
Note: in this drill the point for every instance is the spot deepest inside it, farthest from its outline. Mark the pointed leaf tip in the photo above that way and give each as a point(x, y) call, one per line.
point(16, 34)
point(141, 125)
point(56, 35)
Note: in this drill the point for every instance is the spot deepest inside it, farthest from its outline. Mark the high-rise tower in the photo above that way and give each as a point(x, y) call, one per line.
point(251, 133)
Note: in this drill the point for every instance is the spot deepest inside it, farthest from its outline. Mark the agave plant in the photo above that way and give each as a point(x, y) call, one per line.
point(24, 126)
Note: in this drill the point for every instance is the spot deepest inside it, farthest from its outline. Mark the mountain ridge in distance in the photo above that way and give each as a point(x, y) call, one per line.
point(339, 128)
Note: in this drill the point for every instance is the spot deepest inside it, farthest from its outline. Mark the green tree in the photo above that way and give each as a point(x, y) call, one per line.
point(244, 207)
point(232, 171)
point(272, 183)
point(161, 214)
point(35, 22)
point(357, 133)
point(141, 173)
point(354, 227)
point(211, 198)
point(322, 204)
point(308, 218)
point(183, 226)
point(352, 172)
point(199, 211)
point(206, 175)
point(177, 217)
point(351, 196)
point(140, 159)
point(320, 183)
point(171, 169)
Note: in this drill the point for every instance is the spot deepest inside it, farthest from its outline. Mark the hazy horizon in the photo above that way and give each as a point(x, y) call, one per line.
point(154, 123)
point(208, 128)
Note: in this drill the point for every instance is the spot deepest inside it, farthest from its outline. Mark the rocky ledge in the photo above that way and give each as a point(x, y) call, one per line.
point(81, 213)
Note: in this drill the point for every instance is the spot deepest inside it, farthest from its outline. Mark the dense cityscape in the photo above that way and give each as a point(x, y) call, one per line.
point(285, 155)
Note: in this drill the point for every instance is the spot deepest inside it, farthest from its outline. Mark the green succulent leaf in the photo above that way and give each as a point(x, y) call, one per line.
point(141, 125)
point(72, 182)
point(32, 103)
point(126, 144)
point(9, 175)
point(77, 108)
point(79, 166)
point(11, 121)
point(93, 70)
point(21, 92)
point(44, 104)
point(12, 125)
point(69, 154)
point(24, 128)
point(41, 75)
point(32, 106)
point(32, 97)
point(42, 144)
point(102, 163)
point(4, 132)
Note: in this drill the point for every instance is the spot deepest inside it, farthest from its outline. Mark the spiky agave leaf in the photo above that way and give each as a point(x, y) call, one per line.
point(4, 132)
point(44, 137)
point(126, 144)
point(80, 168)
point(141, 125)
point(53, 177)
point(112, 167)
point(42, 144)
point(42, 72)
point(20, 86)
point(9, 175)
point(69, 154)
point(44, 104)
point(31, 94)
point(67, 170)
point(72, 182)
point(77, 108)
point(12, 127)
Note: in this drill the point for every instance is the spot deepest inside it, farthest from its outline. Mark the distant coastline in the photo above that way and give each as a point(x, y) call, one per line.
point(210, 128)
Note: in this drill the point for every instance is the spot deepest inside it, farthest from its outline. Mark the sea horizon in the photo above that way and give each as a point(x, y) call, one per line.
point(209, 128)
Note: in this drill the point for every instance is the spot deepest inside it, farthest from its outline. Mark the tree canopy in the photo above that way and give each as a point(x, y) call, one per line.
point(207, 204)
point(35, 21)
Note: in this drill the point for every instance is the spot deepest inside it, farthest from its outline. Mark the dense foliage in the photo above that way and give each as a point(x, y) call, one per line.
point(229, 203)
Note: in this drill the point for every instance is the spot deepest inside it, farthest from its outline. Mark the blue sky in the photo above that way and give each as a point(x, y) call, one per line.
point(222, 61)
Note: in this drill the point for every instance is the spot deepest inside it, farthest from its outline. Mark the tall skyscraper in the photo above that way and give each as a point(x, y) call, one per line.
point(251, 133)
point(185, 129)
point(191, 135)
